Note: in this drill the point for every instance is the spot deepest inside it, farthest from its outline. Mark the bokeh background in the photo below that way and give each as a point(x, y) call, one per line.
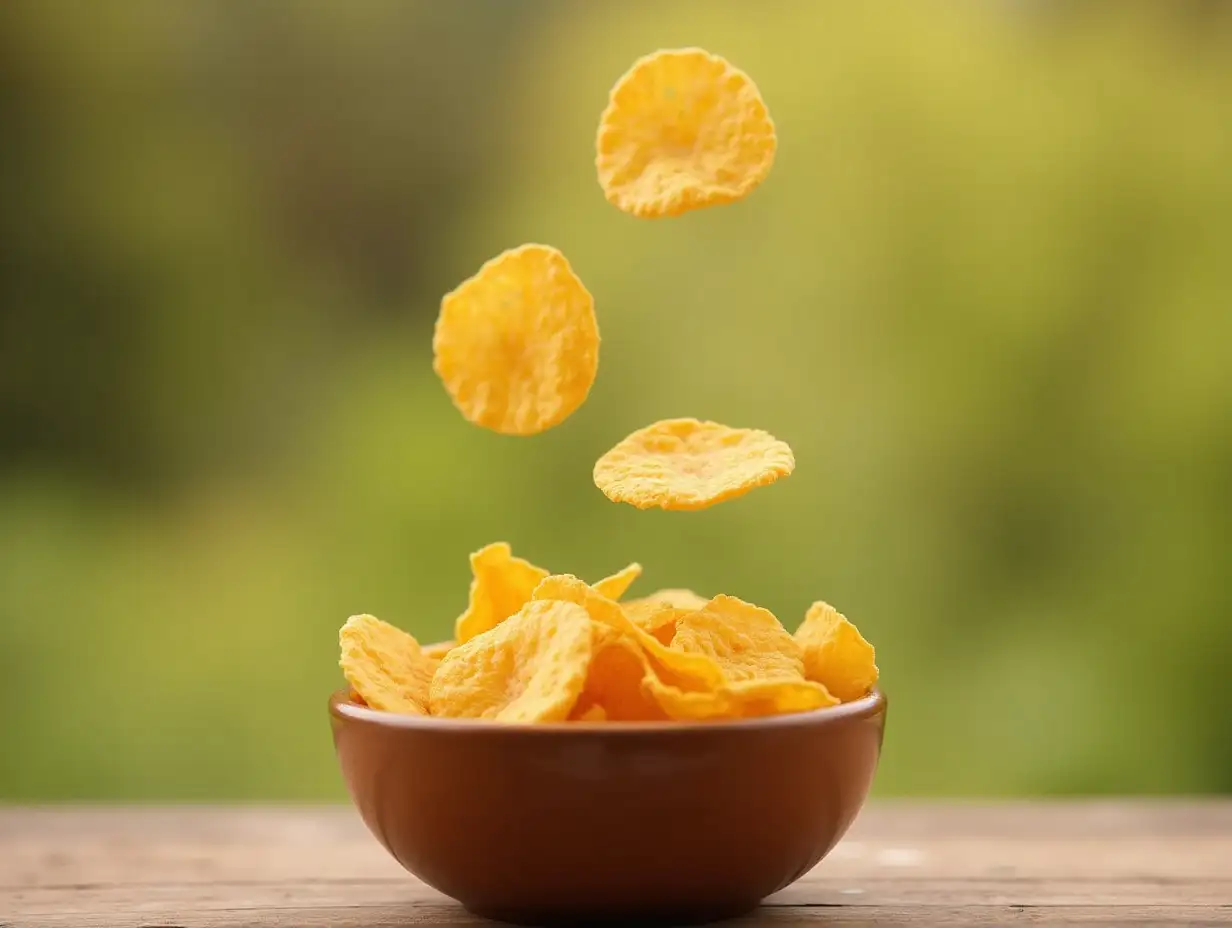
point(985, 293)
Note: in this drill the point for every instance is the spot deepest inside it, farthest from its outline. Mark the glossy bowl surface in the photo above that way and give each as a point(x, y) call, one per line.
point(569, 822)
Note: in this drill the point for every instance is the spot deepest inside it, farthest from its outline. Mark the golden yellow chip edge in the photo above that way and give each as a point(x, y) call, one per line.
point(618, 584)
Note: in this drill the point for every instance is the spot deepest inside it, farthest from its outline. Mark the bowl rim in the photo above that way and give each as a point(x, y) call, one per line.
point(341, 707)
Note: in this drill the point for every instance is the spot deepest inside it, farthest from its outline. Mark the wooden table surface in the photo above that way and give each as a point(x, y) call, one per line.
point(1057, 863)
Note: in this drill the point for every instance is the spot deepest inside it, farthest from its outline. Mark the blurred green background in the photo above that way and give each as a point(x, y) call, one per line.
point(985, 293)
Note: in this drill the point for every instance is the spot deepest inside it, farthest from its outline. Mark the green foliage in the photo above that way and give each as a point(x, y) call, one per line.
point(984, 294)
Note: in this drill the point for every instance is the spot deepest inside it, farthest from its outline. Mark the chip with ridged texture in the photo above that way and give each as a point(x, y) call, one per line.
point(658, 619)
point(693, 670)
point(688, 464)
point(517, 344)
point(746, 641)
point(683, 129)
point(678, 597)
point(761, 663)
point(532, 667)
point(835, 653)
point(385, 666)
point(657, 612)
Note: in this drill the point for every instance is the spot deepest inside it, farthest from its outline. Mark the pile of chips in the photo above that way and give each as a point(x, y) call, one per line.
point(539, 647)
point(517, 348)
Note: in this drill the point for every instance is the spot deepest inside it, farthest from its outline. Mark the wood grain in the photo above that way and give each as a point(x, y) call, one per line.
point(956, 864)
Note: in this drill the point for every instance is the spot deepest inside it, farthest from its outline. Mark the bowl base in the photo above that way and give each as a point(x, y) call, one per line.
point(643, 918)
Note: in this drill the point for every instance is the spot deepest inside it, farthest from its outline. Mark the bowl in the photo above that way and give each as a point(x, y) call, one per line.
point(619, 822)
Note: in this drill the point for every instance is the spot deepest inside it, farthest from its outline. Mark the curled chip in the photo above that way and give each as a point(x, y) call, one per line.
point(517, 344)
point(763, 670)
point(778, 696)
point(385, 666)
point(835, 653)
point(615, 683)
point(500, 585)
point(529, 668)
point(689, 464)
point(617, 584)
point(689, 705)
point(746, 699)
point(683, 130)
point(692, 671)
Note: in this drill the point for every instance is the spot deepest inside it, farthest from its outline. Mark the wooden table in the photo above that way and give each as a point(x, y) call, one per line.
point(1110, 863)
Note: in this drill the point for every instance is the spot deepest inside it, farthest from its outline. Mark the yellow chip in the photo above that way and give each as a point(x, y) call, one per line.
point(615, 679)
point(659, 619)
point(385, 666)
point(517, 344)
point(689, 705)
point(657, 612)
point(763, 669)
point(746, 641)
point(691, 671)
point(679, 598)
point(779, 696)
point(746, 699)
point(501, 584)
point(689, 464)
point(617, 584)
point(530, 668)
point(683, 130)
point(835, 653)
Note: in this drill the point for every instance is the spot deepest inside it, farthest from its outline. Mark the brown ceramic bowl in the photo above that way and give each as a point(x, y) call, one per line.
point(622, 822)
